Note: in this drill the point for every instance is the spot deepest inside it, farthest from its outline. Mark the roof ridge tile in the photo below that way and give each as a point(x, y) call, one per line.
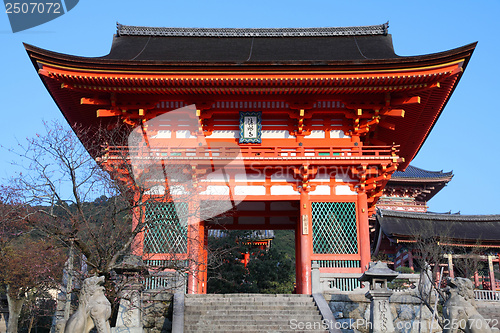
point(129, 30)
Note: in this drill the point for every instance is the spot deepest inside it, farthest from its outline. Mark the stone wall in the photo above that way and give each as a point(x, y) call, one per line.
point(157, 312)
point(352, 312)
point(490, 312)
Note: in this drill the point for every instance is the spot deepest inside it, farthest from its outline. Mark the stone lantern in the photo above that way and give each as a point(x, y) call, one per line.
point(380, 313)
point(129, 318)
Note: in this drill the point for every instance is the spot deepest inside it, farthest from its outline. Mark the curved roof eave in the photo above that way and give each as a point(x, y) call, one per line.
point(93, 63)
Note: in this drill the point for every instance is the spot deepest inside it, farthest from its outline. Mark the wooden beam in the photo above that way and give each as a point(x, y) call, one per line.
point(107, 113)
point(393, 113)
point(406, 100)
point(94, 101)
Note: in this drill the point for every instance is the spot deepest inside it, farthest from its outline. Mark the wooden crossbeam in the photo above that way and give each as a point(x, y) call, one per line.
point(406, 100)
point(393, 113)
point(107, 113)
point(94, 101)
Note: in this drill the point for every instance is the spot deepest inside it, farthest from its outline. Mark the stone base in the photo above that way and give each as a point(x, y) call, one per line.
point(352, 310)
point(3, 322)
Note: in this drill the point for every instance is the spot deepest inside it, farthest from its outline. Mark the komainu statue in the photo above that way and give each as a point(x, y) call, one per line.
point(460, 309)
point(94, 309)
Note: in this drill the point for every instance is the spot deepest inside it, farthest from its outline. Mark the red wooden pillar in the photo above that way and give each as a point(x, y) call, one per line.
point(305, 244)
point(492, 273)
point(364, 231)
point(410, 260)
point(451, 271)
point(246, 259)
point(193, 241)
point(476, 279)
point(202, 257)
point(298, 263)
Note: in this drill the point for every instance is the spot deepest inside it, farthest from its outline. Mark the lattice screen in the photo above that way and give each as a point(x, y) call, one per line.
point(166, 231)
point(334, 228)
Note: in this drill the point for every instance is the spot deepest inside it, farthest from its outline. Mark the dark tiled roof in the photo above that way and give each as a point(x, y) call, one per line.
point(268, 45)
point(454, 226)
point(412, 172)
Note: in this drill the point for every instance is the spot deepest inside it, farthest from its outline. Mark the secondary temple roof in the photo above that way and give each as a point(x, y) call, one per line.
point(416, 174)
point(484, 229)
point(422, 183)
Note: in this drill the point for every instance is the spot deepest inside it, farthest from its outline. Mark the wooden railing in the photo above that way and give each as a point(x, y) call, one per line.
point(251, 152)
point(487, 295)
point(348, 283)
point(164, 281)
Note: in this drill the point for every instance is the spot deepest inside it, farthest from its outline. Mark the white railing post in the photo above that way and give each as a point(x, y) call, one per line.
point(315, 278)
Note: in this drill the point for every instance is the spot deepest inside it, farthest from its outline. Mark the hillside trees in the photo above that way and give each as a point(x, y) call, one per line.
point(29, 264)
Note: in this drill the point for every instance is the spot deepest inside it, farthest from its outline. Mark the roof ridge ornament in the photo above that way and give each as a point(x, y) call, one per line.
point(129, 30)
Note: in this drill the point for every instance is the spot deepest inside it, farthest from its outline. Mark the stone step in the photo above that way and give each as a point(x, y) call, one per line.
point(291, 299)
point(250, 299)
point(247, 295)
point(243, 330)
point(263, 302)
point(249, 307)
point(246, 328)
point(257, 304)
point(272, 317)
point(252, 312)
point(250, 322)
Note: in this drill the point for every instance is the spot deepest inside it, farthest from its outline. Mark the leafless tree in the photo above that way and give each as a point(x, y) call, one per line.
point(432, 248)
point(93, 199)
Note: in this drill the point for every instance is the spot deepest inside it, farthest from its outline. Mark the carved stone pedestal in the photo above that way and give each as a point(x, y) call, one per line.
point(380, 312)
point(129, 318)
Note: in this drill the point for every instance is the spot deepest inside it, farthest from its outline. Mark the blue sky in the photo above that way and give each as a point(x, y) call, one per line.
point(464, 139)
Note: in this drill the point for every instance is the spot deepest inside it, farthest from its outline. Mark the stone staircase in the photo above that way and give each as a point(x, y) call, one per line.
point(259, 313)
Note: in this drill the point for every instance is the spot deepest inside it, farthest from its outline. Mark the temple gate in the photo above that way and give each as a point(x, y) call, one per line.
point(257, 129)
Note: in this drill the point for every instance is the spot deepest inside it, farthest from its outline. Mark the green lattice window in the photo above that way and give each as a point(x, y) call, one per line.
point(334, 228)
point(166, 228)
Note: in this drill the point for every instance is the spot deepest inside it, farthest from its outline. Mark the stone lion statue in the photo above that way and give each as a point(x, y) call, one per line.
point(94, 309)
point(460, 308)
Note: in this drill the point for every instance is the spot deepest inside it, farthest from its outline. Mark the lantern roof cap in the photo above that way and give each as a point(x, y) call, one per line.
point(380, 271)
